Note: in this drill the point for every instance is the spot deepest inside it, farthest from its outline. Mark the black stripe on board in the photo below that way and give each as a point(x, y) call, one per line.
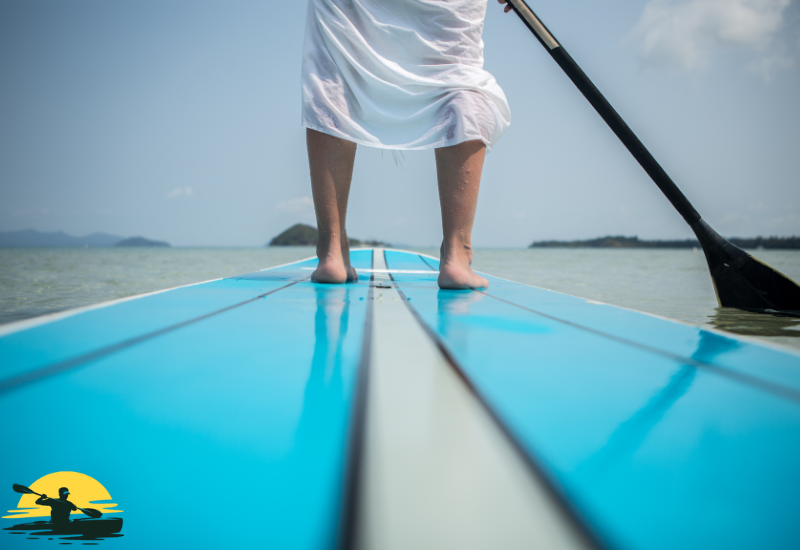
point(421, 257)
point(587, 533)
point(746, 379)
point(348, 520)
point(16, 382)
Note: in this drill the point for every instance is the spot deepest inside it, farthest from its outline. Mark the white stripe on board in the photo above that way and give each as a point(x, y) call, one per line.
point(376, 252)
point(437, 472)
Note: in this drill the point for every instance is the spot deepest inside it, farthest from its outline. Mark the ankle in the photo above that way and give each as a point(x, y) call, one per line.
point(457, 253)
point(344, 246)
point(329, 247)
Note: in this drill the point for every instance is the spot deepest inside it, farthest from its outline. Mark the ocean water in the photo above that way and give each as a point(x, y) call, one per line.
point(670, 283)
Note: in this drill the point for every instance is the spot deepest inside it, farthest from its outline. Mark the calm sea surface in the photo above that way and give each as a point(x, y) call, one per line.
point(672, 283)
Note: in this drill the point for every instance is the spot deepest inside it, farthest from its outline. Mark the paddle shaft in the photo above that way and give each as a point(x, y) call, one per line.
point(606, 111)
point(739, 279)
point(22, 489)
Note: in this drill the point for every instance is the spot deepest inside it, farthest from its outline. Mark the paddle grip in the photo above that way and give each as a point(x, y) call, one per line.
point(606, 111)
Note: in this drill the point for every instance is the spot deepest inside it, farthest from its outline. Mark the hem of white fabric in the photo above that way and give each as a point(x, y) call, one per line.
point(438, 144)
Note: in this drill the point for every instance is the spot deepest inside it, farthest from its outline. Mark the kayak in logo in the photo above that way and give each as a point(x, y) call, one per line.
point(75, 492)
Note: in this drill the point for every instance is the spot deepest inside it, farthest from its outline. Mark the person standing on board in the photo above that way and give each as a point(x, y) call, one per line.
point(404, 75)
point(60, 507)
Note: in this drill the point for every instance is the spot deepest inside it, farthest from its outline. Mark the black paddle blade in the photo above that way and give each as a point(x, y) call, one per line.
point(742, 281)
point(91, 512)
point(22, 489)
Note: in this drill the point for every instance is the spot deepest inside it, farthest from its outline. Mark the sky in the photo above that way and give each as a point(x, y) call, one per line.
point(180, 121)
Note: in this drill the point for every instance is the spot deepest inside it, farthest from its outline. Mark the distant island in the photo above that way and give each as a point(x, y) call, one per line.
point(619, 241)
point(30, 238)
point(297, 235)
point(141, 241)
point(304, 235)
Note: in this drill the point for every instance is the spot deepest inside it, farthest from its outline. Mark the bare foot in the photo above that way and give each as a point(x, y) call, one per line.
point(455, 272)
point(330, 271)
point(459, 277)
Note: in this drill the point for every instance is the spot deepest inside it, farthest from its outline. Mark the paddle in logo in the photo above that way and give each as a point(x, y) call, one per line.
point(54, 499)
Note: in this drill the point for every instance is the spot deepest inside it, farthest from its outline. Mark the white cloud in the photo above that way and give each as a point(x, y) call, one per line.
point(767, 66)
point(758, 207)
point(300, 205)
point(180, 192)
point(684, 34)
point(30, 212)
point(732, 219)
point(788, 223)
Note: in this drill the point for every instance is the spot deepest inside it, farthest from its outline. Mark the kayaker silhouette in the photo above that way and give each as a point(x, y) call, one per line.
point(60, 507)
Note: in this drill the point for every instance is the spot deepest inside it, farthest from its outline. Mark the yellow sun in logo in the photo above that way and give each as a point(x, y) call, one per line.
point(83, 492)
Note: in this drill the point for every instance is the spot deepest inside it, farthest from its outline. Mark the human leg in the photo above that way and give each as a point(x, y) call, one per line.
point(331, 162)
point(459, 172)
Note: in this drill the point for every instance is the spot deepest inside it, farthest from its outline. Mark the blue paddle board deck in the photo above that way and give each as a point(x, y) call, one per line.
point(268, 411)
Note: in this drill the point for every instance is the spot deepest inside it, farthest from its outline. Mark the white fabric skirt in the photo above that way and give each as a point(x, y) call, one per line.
point(400, 74)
